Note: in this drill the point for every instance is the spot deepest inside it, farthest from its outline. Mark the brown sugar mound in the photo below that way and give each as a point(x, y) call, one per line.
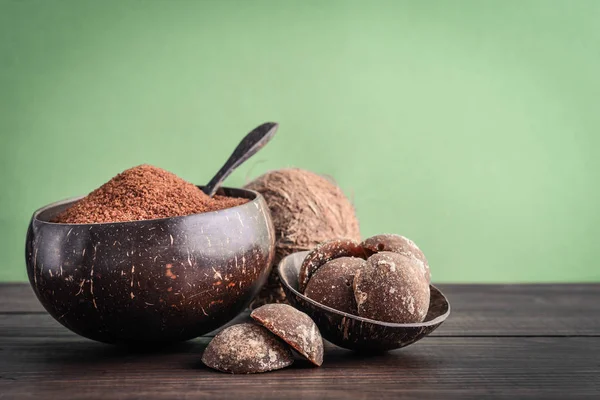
point(141, 193)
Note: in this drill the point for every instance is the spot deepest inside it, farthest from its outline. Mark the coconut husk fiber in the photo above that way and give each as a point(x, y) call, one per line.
point(306, 209)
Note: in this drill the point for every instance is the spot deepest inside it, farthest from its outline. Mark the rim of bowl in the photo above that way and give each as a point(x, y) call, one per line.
point(36, 213)
point(437, 320)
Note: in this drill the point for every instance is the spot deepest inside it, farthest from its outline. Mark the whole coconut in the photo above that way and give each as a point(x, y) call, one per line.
point(307, 209)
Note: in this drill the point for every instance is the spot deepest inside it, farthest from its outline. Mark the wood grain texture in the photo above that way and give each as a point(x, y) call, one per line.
point(436, 367)
point(522, 310)
point(477, 310)
point(501, 341)
point(18, 297)
point(44, 326)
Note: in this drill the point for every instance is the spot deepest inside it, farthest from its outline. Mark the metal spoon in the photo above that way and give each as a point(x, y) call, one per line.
point(253, 142)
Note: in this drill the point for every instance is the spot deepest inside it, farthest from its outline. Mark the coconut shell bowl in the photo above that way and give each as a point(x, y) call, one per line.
point(153, 281)
point(353, 332)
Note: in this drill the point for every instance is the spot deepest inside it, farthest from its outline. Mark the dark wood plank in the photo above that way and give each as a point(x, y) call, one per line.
point(18, 297)
point(41, 359)
point(442, 367)
point(477, 310)
point(527, 310)
point(42, 325)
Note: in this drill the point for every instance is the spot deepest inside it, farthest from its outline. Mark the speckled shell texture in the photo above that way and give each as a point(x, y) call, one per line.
point(161, 280)
point(294, 327)
point(246, 349)
point(357, 333)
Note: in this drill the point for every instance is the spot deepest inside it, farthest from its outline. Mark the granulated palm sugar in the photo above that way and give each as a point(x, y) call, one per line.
point(143, 192)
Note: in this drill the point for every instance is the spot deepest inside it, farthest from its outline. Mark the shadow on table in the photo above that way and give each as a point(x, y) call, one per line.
point(89, 352)
point(187, 355)
point(338, 358)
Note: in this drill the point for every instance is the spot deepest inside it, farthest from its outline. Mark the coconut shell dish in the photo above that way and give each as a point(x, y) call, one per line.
point(353, 332)
point(160, 280)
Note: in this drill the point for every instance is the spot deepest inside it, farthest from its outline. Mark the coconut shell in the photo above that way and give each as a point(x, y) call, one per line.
point(306, 209)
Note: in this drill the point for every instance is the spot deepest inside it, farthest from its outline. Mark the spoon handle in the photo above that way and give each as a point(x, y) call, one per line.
point(253, 142)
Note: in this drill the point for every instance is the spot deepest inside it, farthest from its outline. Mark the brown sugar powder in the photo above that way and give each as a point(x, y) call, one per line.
point(140, 193)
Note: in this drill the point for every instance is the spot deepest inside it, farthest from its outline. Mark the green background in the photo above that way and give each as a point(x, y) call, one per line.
point(471, 127)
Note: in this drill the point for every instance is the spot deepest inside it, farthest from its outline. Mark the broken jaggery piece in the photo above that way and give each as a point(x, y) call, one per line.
point(295, 327)
point(246, 349)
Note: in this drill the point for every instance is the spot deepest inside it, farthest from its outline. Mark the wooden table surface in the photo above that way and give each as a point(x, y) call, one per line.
point(517, 341)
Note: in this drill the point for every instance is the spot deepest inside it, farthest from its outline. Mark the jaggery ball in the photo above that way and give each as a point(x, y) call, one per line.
point(397, 244)
point(391, 287)
point(331, 284)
